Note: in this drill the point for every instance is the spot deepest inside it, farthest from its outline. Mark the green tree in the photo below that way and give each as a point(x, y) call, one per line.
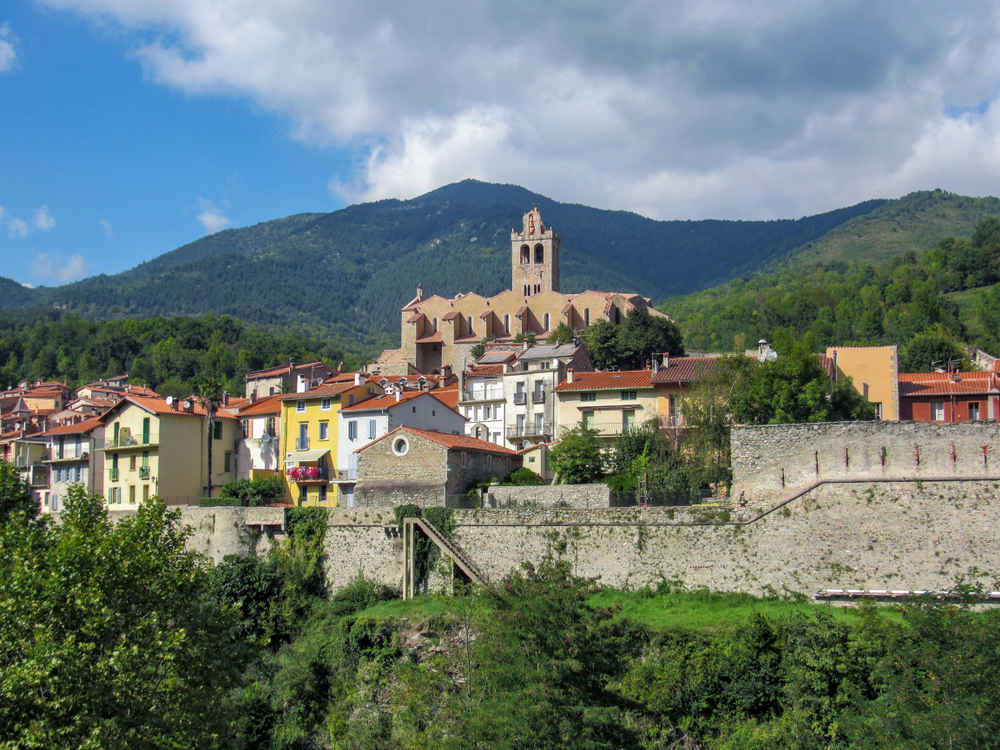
point(577, 457)
point(108, 635)
point(15, 496)
point(562, 334)
point(929, 349)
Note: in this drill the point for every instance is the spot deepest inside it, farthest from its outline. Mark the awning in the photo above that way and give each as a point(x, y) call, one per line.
point(300, 456)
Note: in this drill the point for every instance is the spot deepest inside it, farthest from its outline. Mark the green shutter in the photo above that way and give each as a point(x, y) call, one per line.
point(145, 431)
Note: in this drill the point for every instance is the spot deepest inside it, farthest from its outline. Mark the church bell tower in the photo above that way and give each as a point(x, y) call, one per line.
point(534, 257)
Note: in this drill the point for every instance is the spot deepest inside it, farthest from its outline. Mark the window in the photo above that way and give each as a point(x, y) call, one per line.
point(937, 411)
point(371, 429)
point(864, 390)
point(628, 420)
point(145, 430)
point(322, 493)
point(324, 405)
point(588, 396)
point(217, 430)
point(227, 461)
point(545, 321)
point(539, 254)
point(269, 426)
point(145, 492)
point(586, 316)
point(878, 410)
point(132, 462)
point(588, 419)
point(539, 424)
point(245, 424)
point(520, 424)
point(974, 411)
point(400, 447)
point(486, 412)
point(472, 330)
point(61, 446)
point(506, 325)
point(629, 396)
point(496, 438)
point(324, 430)
point(300, 406)
point(131, 494)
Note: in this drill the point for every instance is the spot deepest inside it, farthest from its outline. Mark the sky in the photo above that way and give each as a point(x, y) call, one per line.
point(131, 127)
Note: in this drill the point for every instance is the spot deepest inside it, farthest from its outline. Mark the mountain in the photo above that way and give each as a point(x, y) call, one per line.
point(348, 272)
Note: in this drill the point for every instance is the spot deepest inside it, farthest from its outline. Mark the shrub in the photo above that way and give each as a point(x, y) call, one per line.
point(524, 477)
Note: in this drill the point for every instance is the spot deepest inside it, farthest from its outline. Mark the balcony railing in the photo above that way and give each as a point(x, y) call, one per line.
point(520, 397)
point(113, 473)
point(530, 430)
point(603, 428)
point(306, 474)
point(130, 441)
point(490, 394)
point(345, 475)
point(302, 444)
point(143, 472)
point(39, 476)
point(538, 397)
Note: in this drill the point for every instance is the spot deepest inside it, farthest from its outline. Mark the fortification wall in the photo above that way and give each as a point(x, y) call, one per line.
point(550, 496)
point(772, 460)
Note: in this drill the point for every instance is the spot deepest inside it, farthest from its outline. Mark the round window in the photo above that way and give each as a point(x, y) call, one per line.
point(400, 446)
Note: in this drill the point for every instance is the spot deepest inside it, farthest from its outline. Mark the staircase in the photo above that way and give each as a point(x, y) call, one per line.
point(449, 548)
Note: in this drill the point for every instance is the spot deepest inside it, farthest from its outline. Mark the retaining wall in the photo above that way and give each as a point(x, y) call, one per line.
point(549, 496)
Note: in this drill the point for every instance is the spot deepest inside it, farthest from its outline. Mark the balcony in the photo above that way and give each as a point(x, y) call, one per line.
point(69, 456)
point(143, 472)
point(538, 397)
point(531, 430)
point(520, 397)
point(344, 475)
point(302, 444)
point(39, 476)
point(489, 394)
point(308, 474)
point(127, 441)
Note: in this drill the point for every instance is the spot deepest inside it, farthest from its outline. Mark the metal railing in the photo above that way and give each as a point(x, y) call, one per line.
point(113, 473)
point(39, 476)
point(302, 444)
point(530, 430)
point(143, 472)
point(603, 428)
point(490, 394)
point(520, 397)
point(346, 475)
point(130, 441)
point(538, 397)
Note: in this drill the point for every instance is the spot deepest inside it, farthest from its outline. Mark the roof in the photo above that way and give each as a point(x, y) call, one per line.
point(492, 358)
point(160, 406)
point(281, 370)
point(313, 455)
point(76, 428)
point(434, 338)
point(447, 395)
point(606, 381)
point(269, 405)
point(326, 390)
point(916, 384)
point(386, 402)
point(684, 370)
point(451, 442)
point(477, 370)
point(548, 351)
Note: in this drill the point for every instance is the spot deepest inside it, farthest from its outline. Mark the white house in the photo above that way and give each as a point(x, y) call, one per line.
point(481, 398)
point(259, 452)
point(372, 418)
point(75, 456)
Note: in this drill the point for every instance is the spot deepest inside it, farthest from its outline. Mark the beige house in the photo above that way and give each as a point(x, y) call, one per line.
point(874, 371)
point(609, 402)
point(437, 331)
point(155, 446)
point(290, 378)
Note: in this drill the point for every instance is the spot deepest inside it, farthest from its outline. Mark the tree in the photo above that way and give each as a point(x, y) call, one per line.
point(15, 495)
point(632, 344)
point(562, 334)
point(108, 635)
point(928, 348)
point(577, 458)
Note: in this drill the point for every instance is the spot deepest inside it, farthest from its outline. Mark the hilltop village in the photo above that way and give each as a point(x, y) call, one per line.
point(480, 387)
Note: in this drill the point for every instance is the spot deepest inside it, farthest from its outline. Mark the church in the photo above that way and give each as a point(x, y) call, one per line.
point(437, 332)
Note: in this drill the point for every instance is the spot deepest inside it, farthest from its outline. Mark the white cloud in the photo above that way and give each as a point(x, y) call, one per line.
point(45, 267)
point(8, 55)
point(109, 231)
point(678, 109)
point(44, 219)
point(211, 218)
point(17, 228)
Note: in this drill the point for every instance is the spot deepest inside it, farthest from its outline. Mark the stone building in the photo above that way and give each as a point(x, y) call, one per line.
point(436, 331)
point(409, 465)
point(290, 378)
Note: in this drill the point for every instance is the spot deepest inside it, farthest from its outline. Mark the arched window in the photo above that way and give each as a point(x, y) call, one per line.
point(506, 325)
point(525, 254)
point(539, 254)
point(471, 329)
point(586, 316)
point(546, 321)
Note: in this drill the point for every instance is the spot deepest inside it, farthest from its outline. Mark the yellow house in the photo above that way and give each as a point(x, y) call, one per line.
point(874, 371)
point(308, 432)
point(609, 402)
point(155, 446)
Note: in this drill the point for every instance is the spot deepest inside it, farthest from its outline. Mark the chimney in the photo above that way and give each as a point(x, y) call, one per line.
point(525, 345)
point(420, 292)
point(253, 396)
point(357, 378)
point(225, 398)
point(569, 374)
point(399, 394)
point(445, 374)
point(666, 360)
point(656, 365)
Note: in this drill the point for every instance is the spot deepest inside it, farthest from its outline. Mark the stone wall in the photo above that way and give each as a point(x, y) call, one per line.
point(419, 476)
point(549, 496)
point(864, 535)
point(772, 460)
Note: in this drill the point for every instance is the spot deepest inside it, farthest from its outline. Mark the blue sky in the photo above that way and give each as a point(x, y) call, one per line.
point(130, 127)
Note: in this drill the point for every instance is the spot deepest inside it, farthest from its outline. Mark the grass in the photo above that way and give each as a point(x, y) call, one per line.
point(689, 610)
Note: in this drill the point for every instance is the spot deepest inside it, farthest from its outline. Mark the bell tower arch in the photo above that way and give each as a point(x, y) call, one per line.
point(534, 257)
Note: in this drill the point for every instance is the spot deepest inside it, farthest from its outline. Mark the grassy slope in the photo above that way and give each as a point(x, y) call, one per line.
point(917, 221)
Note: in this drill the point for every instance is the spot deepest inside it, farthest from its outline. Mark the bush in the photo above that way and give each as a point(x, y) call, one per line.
point(524, 477)
point(254, 492)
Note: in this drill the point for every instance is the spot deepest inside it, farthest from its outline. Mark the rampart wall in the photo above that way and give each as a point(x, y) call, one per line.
point(771, 460)
point(549, 496)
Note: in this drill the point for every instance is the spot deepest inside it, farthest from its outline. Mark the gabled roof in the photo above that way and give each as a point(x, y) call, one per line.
point(325, 390)
point(451, 442)
point(684, 370)
point(914, 384)
point(447, 395)
point(160, 407)
point(548, 351)
point(77, 428)
point(608, 381)
point(386, 402)
point(264, 407)
point(282, 370)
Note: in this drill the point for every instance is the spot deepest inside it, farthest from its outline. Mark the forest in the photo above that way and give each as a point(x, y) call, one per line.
point(112, 635)
point(950, 292)
point(174, 356)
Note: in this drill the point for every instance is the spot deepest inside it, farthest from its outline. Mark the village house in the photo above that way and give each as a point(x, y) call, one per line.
point(427, 468)
point(75, 455)
point(482, 399)
point(259, 453)
point(608, 402)
point(672, 377)
point(167, 447)
point(289, 378)
point(949, 396)
point(874, 371)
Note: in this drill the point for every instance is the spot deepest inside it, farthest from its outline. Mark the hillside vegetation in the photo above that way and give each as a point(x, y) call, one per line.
point(947, 293)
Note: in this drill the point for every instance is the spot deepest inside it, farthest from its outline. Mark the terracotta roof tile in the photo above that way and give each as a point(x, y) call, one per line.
point(75, 429)
point(601, 381)
point(269, 405)
point(684, 370)
point(321, 391)
point(447, 396)
point(913, 384)
point(459, 442)
point(386, 402)
point(434, 338)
